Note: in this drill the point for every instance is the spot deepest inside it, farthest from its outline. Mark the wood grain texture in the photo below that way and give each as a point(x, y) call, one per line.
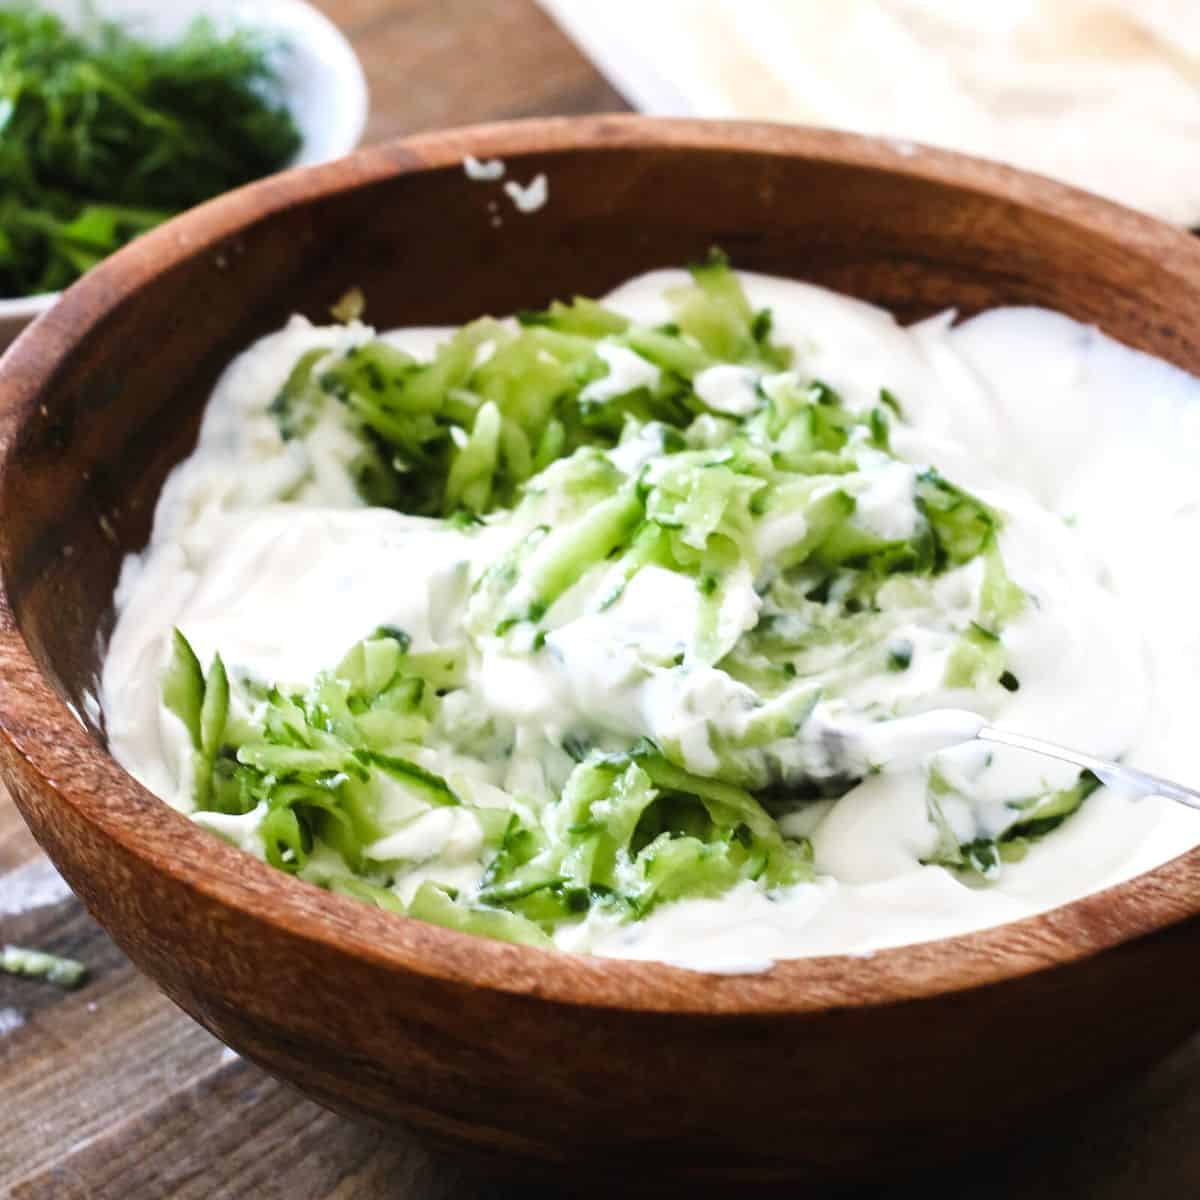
point(131, 1099)
point(432, 64)
point(111, 1093)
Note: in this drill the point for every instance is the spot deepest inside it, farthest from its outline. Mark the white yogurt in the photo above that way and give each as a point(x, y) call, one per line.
point(262, 550)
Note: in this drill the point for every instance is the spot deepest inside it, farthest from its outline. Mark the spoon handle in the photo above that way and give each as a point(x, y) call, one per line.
point(1113, 774)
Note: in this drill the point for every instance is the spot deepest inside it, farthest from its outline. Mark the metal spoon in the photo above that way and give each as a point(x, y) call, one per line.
point(941, 729)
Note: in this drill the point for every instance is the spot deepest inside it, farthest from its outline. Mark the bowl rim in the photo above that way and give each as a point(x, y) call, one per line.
point(81, 774)
point(297, 18)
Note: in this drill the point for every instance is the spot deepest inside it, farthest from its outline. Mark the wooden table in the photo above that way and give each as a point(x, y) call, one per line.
point(111, 1092)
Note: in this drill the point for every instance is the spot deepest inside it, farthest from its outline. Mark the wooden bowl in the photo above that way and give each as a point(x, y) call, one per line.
point(838, 1066)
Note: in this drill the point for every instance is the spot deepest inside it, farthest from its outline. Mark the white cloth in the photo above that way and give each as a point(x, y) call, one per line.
point(1104, 94)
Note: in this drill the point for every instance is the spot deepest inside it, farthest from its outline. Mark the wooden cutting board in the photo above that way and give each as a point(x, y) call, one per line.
point(110, 1091)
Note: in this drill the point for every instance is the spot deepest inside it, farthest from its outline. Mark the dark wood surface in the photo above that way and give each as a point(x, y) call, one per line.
point(111, 1091)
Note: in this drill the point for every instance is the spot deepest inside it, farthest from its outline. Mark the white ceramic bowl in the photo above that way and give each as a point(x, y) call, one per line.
point(323, 82)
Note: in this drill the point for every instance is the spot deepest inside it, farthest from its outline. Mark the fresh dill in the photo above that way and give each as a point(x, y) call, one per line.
point(103, 135)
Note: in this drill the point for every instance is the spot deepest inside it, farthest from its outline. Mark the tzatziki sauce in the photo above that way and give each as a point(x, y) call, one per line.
point(263, 551)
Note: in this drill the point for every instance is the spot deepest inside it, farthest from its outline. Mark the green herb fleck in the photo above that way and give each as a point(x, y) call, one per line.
point(900, 655)
point(34, 964)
